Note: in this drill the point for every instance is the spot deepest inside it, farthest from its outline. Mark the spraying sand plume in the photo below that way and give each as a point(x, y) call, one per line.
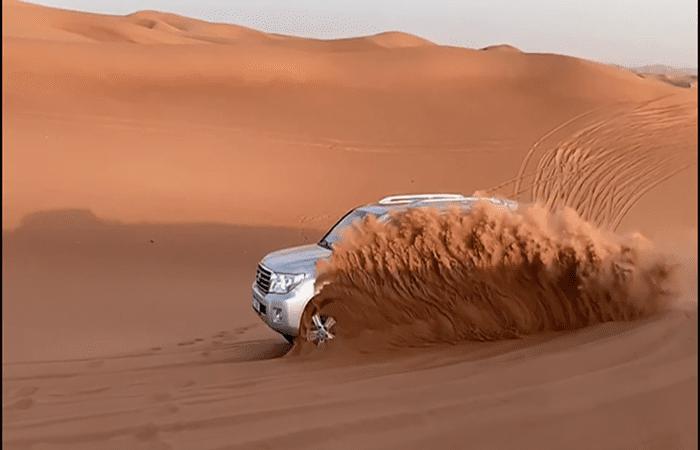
point(427, 277)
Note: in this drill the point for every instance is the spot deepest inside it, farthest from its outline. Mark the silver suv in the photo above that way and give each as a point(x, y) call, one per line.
point(284, 282)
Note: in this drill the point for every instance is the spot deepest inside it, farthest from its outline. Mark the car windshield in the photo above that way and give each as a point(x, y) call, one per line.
point(336, 233)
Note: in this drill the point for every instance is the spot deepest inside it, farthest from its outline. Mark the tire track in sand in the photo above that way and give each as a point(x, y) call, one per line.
point(602, 167)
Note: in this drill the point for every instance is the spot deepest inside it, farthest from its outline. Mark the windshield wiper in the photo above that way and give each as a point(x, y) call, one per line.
point(325, 244)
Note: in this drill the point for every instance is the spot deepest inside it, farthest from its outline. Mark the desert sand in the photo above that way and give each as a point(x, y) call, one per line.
point(151, 160)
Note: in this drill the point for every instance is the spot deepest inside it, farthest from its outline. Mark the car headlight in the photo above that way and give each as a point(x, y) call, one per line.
point(282, 283)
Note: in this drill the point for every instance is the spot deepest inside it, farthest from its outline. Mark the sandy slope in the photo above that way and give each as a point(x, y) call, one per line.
point(616, 386)
point(200, 147)
point(187, 128)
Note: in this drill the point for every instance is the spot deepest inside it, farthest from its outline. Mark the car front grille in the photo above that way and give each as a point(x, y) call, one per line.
point(262, 279)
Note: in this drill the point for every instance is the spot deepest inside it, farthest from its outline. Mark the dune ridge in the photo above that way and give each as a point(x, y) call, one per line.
point(398, 39)
point(501, 48)
point(28, 20)
point(31, 21)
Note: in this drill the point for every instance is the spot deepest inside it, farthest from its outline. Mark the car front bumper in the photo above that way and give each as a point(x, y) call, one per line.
point(287, 306)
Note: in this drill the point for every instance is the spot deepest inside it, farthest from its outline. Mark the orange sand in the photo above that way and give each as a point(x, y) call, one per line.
point(150, 161)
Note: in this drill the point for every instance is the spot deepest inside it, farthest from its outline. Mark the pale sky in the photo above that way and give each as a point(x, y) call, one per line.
point(625, 32)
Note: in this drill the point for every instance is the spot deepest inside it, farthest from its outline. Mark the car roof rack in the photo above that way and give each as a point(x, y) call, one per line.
point(398, 199)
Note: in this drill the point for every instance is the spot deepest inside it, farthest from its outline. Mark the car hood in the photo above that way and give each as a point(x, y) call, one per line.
point(296, 259)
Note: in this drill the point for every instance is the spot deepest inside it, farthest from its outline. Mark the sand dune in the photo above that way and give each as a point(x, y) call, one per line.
point(269, 106)
point(151, 160)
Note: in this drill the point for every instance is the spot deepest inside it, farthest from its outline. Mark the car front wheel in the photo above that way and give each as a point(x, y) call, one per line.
point(317, 327)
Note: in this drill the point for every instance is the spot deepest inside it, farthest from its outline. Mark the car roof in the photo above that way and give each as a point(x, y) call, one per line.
point(439, 201)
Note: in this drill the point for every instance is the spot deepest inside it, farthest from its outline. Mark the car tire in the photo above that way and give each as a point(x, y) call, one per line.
point(313, 321)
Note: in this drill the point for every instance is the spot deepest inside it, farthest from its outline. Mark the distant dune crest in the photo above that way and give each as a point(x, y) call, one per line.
point(192, 28)
point(684, 77)
point(666, 69)
point(502, 48)
point(675, 79)
point(153, 27)
point(397, 39)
